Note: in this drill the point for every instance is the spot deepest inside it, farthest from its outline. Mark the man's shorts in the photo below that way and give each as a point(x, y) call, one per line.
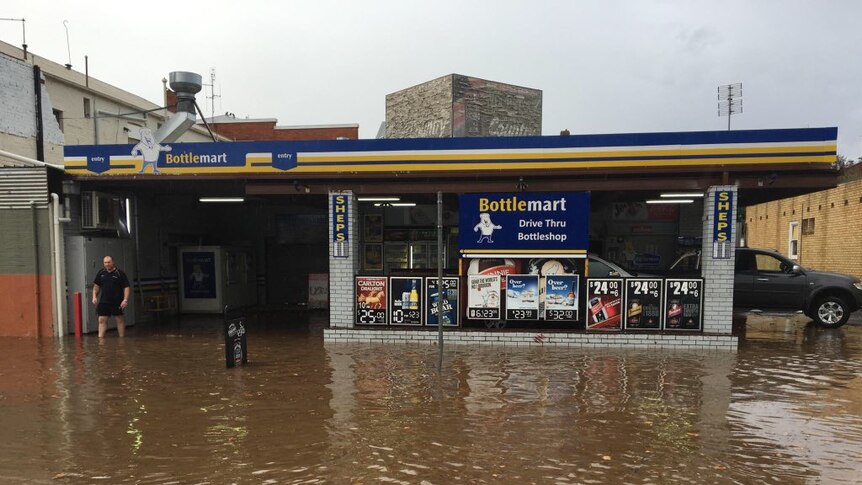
point(109, 309)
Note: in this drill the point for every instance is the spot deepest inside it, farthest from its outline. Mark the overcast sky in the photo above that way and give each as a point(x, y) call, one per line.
point(603, 67)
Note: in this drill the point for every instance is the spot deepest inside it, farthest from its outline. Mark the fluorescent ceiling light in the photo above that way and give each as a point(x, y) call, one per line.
point(670, 201)
point(378, 199)
point(221, 199)
point(395, 204)
point(683, 194)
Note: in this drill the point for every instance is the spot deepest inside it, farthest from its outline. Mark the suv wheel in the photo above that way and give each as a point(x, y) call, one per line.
point(831, 312)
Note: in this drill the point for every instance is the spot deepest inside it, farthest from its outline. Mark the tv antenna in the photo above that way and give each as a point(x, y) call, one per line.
point(212, 95)
point(68, 48)
point(729, 101)
point(23, 33)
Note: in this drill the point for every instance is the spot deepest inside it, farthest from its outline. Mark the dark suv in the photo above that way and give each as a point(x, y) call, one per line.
point(766, 280)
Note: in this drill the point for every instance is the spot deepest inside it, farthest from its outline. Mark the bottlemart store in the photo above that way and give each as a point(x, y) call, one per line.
point(515, 213)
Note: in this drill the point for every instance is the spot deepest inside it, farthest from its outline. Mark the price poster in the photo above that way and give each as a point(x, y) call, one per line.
point(644, 298)
point(522, 297)
point(370, 294)
point(561, 297)
point(604, 303)
point(483, 297)
point(405, 300)
point(450, 301)
point(683, 307)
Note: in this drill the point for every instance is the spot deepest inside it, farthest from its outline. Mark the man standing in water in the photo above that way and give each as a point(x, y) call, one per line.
point(114, 288)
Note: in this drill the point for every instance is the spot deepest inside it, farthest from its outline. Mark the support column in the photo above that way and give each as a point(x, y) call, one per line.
point(342, 269)
point(718, 273)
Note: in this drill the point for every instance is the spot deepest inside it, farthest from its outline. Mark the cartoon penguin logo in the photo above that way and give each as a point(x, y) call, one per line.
point(486, 227)
point(150, 150)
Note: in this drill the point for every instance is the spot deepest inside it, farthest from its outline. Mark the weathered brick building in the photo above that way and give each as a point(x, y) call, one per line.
point(826, 226)
point(461, 106)
point(267, 129)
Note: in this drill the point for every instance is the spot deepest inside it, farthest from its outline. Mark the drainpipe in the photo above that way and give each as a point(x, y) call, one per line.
point(59, 260)
point(40, 130)
point(36, 264)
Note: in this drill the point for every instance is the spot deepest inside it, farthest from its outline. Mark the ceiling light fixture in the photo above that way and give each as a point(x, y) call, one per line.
point(395, 204)
point(670, 201)
point(378, 199)
point(682, 194)
point(221, 199)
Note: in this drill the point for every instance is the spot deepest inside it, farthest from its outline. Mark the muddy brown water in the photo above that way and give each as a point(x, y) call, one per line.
point(160, 407)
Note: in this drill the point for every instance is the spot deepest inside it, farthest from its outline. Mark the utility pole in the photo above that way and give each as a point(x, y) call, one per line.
point(729, 101)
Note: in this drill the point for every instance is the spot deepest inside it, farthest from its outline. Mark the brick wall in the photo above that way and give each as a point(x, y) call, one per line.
point(835, 245)
point(267, 130)
point(342, 270)
point(535, 339)
point(423, 111)
point(457, 105)
point(718, 273)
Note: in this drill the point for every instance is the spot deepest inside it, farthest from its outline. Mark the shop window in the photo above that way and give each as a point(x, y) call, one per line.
point(597, 269)
point(59, 115)
point(808, 226)
point(87, 112)
point(793, 240)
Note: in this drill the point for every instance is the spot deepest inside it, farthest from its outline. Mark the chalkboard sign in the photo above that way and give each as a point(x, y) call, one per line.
point(683, 307)
point(483, 297)
point(604, 303)
point(405, 300)
point(522, 297)
point(371, 300)
point(561, 297)
point(235, 346)
point(450, 301)
point(643, 305)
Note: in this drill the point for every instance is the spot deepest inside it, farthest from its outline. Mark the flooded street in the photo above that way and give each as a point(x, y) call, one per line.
point(160, 407)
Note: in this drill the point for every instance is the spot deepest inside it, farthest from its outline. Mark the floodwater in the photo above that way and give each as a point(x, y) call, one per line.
point(160, 407)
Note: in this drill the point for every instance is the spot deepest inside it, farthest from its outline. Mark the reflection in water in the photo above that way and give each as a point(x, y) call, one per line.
point(160, 407)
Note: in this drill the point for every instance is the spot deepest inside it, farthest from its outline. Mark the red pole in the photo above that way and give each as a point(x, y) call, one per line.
point(79, 318)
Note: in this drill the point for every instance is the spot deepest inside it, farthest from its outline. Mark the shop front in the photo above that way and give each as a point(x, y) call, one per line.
point(542, 240)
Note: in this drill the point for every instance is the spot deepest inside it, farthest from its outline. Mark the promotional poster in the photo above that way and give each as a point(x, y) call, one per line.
point(450, 301)
point(552, 223)
point(545, 267)
point(522, 297)
point(683, 304)
point(371, 300)
point(199, 272)
point(561, 297)
point(405, 300)
point(644, 298)
point(483, 297)
point(604, 303)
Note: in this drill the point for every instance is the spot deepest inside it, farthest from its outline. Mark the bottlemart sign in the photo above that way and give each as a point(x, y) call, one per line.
point(524, 224)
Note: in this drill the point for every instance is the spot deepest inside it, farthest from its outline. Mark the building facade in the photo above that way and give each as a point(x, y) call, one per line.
point(820, 230)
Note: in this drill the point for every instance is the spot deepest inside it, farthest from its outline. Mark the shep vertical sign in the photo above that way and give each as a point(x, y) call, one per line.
point(722, 224)
point(340, 231)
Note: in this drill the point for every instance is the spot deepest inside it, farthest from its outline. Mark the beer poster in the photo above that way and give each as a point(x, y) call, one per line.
point(604, 303)
point(405, 300)
point(483, 297)
point(522, 297)
point(683, 307)
point(370, 294)
point(451, 308)
point(561, 297)
point(643, 304)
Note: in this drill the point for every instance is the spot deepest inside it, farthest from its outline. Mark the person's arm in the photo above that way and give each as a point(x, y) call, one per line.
point(126, 293)
point(96, 294)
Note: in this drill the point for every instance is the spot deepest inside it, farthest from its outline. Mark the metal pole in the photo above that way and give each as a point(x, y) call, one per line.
point(440, 292)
